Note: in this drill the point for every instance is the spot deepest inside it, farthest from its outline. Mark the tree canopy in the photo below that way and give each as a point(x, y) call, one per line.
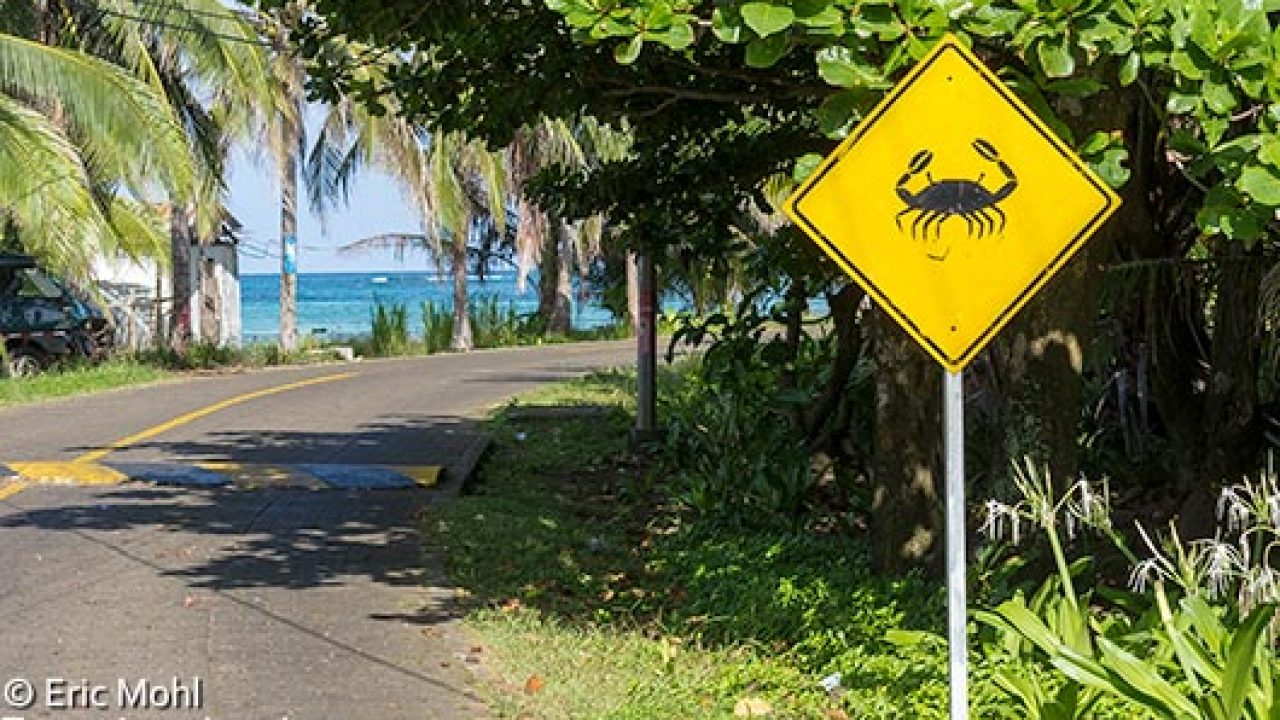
point(1162, 329)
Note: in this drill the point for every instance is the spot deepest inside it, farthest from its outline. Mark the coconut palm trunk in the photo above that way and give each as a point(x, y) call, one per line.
point(462, 340)
point(180, 315)
point(289, 247)
point(555, 284)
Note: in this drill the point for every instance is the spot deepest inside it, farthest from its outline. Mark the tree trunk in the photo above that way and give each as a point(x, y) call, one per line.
point(906, 511)
point(560, 284)
point(180, 236)
point(548, 270)
point(1059, 326)
point(1232, 403)
point(210, 302)
point(462, 340)
point(289, 246)
point(633, 291)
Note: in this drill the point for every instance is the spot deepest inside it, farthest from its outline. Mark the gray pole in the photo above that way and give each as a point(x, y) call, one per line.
point(646, 350)
point(957, 604)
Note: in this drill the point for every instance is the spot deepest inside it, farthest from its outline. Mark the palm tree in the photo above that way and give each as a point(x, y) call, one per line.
point(212, 66)
point(84, 144)
point(177, 79)
point(286, 138)
point(454, 182)
point(547, 241)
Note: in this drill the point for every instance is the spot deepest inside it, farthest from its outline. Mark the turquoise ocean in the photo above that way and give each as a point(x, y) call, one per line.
point(338, 305)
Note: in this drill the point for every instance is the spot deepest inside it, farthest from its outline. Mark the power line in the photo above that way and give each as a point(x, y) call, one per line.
point(155, 22)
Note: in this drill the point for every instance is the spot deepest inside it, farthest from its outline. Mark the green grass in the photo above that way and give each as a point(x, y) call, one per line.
point(78, 381)
point(624, 607)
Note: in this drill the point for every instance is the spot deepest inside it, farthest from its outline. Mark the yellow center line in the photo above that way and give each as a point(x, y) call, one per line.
point(124, 442)
point(12, 489)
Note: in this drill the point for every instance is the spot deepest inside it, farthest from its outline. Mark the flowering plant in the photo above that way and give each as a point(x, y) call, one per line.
point(1202, 651)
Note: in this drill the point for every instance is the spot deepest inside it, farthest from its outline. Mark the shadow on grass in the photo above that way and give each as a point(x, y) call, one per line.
point(566, 521)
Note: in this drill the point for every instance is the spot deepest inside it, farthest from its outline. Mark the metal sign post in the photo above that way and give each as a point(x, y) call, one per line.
point(957, 639)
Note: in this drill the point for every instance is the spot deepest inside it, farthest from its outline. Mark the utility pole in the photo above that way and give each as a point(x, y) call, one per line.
point(646, 351)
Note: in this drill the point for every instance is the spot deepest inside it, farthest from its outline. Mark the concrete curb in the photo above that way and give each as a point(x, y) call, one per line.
point(458, 472)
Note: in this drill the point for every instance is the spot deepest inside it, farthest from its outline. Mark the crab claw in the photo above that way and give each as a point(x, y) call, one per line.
point(920, 161)
point(986, 149)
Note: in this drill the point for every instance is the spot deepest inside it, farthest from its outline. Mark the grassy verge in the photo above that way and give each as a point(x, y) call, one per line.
point(78, 381)
point(596, 600)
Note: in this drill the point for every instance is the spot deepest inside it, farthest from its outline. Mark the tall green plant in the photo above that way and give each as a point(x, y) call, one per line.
point(1199, 647)
point(390, 326)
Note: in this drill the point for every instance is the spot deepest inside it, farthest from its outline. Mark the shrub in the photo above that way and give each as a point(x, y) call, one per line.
point(390, 330)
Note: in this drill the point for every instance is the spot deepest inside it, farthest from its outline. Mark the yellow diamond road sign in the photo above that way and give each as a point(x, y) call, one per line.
point(951, 204)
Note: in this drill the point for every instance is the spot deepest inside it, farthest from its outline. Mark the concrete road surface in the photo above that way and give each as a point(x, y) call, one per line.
point(143, 600)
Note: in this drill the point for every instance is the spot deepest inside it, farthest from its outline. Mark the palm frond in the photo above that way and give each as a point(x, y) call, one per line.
point(129, 128)
point(45, 193)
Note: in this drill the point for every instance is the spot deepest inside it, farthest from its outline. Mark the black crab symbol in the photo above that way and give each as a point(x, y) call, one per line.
point(940, 200)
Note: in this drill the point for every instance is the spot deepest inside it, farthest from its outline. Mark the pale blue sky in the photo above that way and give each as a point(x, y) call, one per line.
point(376, 206)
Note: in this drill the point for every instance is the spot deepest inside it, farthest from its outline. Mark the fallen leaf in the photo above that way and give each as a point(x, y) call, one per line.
point(836, 714)
point(510, 605)
point(476, 649)
point(533, 685)
point(752, 707)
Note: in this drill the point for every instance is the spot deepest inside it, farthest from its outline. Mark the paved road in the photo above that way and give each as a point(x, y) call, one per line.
point(283, 602)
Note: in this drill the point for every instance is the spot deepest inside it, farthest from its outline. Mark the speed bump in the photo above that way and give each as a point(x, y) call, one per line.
point(246, 476)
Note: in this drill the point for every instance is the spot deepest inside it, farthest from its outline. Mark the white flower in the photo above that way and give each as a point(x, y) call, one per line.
point(1234, 508)
point(1261, 585)
point(1089, 507)
point(1156, 568)
point(1221, 564)
point(1000, 515)
point(1145, 573)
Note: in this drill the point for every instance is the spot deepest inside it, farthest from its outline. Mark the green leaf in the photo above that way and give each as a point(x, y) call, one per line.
point(678, 37)
point(1269, 151)
point(828, 17)
point(1129, 69)
point(837, 114)
point(1055, 57)
point(1262, 184)
point(765, 18)
point(990, 21)
point(1218, 96)
point(1144, 682)
point(727, 25)
point(1240, 659)
point(838, 66)
point(1181, 103)
point(627, 52)
point(764, 52)
point(1111, 166)
point(1095, 143)
point(659, 15)
point(805, 166)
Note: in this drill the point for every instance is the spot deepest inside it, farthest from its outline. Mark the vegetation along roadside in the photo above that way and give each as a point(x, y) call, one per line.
point(598, 587)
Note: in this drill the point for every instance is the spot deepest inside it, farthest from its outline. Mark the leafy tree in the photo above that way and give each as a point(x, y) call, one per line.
point(1175, 102)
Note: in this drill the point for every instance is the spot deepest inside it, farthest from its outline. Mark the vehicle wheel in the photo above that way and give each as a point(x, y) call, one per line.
point(25, 362)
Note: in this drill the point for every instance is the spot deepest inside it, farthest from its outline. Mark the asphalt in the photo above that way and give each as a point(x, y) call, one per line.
point(285, 603)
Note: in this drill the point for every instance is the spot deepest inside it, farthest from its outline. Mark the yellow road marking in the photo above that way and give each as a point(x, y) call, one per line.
point(424, 475)
point(79, 473)
point(124, 442)
point(12, 489)
point(253, 477)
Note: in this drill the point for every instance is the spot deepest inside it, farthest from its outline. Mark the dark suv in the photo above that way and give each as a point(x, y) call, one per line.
point(42, 320)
